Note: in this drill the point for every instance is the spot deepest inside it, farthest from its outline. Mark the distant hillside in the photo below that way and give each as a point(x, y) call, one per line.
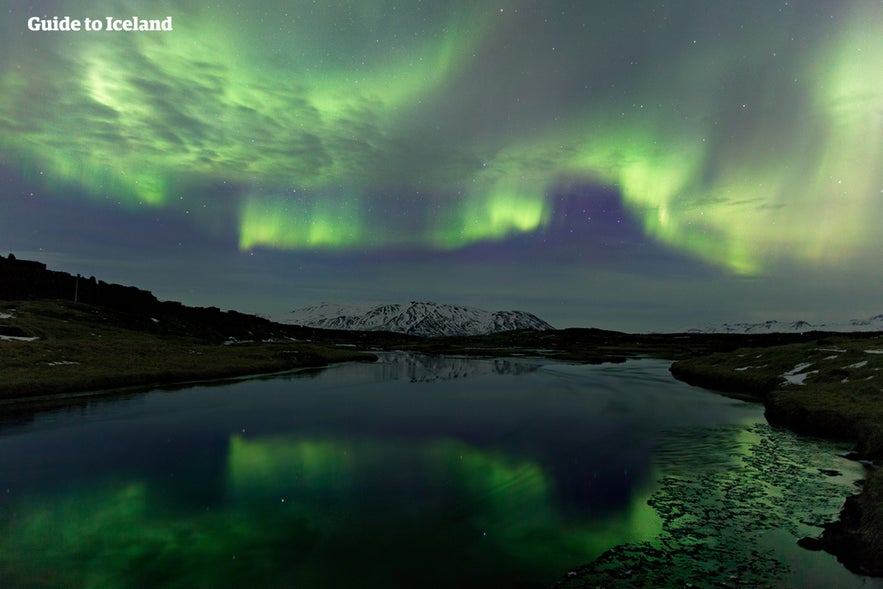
point(415, 318)
point(872, 324)
point(24, 280)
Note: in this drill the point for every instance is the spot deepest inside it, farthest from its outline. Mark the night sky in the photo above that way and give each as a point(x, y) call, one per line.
point(628, 165)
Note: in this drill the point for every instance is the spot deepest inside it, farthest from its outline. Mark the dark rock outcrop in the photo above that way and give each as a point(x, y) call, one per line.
point(26, 279)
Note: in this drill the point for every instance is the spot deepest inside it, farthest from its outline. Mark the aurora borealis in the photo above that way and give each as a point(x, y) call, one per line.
point(642, 165)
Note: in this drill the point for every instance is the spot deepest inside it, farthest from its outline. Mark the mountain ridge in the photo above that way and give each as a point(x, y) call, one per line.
point(871, 324)
point(423, 318)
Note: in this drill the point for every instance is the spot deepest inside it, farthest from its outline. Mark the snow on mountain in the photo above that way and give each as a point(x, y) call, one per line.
point(414, 318)
point(874, 323)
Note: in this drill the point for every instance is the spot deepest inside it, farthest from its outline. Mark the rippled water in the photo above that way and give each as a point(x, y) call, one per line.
point(416, 471)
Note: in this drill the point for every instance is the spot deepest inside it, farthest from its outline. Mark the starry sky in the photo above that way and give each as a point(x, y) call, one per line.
point(641, 165)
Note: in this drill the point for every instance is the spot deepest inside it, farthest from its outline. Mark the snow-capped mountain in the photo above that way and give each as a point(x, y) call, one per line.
point(874, 323)
point(414, 318)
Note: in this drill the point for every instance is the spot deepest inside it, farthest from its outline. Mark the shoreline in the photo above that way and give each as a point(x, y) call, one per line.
point(50, 401)
point(111, 382)
point(833, 401)
point(73, 349)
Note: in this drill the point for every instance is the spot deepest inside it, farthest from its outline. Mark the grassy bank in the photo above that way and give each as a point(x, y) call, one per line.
point(59, 347)
point(830, 387)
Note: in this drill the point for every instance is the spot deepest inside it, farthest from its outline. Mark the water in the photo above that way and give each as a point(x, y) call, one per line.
point(415, 472)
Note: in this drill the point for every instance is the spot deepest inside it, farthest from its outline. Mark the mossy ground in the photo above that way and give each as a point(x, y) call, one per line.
point(79, 348)
point(835, 388)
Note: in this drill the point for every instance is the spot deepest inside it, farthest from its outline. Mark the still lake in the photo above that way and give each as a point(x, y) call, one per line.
point(416, 471)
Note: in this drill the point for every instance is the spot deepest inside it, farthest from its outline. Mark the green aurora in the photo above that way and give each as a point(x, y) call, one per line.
point(740, 136)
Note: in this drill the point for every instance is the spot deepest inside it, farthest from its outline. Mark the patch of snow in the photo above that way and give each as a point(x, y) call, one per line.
point(834, 357)
point(5, 315)
point(873, 351)
point(744, 368)
point(858, 364)
point(154, 319)
point(799, 367)
point(799, 378)
point(832, 350)
point(796, 374)
point(61, 363)
point(17, 338)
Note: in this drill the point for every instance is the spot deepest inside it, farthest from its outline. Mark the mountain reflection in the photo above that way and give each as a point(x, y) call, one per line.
point(425, 367)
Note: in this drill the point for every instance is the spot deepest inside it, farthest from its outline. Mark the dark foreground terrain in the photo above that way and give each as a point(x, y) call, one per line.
point(52, 348)
point(62, 337)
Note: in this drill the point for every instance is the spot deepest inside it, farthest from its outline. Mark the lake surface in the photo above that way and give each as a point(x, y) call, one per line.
point(416, 471)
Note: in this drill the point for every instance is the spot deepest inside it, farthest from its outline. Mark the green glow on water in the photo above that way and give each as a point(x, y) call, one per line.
point(303, 510)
